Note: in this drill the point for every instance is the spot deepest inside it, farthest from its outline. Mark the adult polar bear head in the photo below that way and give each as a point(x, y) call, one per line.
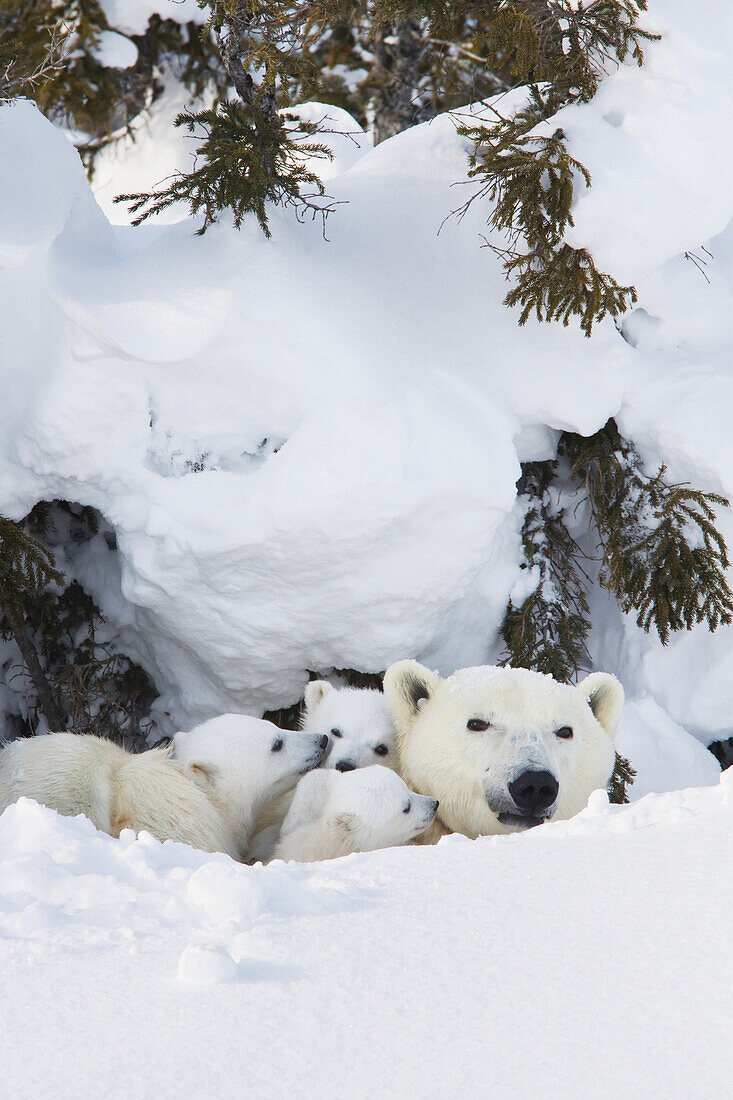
point(503, 749)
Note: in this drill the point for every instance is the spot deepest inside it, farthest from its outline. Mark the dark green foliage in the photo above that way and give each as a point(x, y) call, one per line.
point(621, 779)
point(48, 53)
point(77, 681)
point(250, 153)
point(25, 563)
point(560, 49)
point(395, 64)
point(548, 631)
point(245, 165)
point(662, 555)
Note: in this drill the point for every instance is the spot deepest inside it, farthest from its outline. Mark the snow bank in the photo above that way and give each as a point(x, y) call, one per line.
point(308, 449)
point(564, 960)
point(132, 16)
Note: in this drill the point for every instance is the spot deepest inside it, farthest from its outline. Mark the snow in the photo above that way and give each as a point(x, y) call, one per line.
point(132, 16)
point(579, 958)
point(115, 51)
point(308, 448)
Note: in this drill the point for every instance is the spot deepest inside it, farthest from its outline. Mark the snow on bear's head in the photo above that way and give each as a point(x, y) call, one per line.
point(503, 749)
point(244, 763)
point(335, 813)
point(358, 721)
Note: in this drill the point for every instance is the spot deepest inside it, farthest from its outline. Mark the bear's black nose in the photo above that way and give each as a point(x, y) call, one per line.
point(534, 792)
point(345, 766)
point(323, 741)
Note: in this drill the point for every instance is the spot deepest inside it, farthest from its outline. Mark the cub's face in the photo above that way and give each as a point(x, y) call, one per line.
point(503, 749)
point(243, 763)
point(358, 721)
point(363, 810)
point(378, 808)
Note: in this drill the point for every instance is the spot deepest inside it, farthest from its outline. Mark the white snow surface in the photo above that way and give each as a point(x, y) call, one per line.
point(308, 448)
point(582, 959)
point(116, 51)
point(132, 16)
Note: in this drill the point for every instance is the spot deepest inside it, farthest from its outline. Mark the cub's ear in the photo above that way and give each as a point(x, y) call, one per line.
point(407, 687)
point(605, 697)
point(342, 823)
point(203, 775)
point(315, 691)
point(308, 801)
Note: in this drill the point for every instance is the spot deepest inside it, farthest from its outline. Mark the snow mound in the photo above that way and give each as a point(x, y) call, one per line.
point(323, 977)
point(308, 448)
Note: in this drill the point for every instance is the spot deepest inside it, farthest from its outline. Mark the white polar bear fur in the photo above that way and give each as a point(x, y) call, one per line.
point(362, 732)
point(358, 720)
point(223, 775)
point(469, 772)
point(334, 814)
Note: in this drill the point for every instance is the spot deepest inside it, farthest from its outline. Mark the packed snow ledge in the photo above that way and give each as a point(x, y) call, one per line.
point(584, 958)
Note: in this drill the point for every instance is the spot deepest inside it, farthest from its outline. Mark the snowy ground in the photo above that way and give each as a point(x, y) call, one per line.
point(584, 959)
point(308, 451)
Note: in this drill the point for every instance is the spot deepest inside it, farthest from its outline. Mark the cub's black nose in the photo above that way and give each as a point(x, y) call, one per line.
point(345, 766)
point(323, 741)
point(534, 792)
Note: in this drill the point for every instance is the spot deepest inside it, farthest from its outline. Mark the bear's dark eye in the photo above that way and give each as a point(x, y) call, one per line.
point(336, 733)
point(565, 732)
point(381, 750)
point(407, 808)
point(277, 745)
point(477, 725)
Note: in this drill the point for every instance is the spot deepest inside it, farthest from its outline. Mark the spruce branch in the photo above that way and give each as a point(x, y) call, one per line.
point(560, 49)
point(250, 154)
point(548, 631)
point(25, 566)
point(78, 682)
point(662, 555)
point(241, 168)
point(622, 778)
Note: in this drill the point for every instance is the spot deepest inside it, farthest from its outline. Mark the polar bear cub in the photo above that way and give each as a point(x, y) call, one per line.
point(336, 814)
point(362, 733)
point(223, 774)
point(503, 748)
point(359, 722)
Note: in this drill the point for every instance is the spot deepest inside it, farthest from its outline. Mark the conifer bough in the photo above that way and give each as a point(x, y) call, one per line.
point(560, 49)
point(250, 153)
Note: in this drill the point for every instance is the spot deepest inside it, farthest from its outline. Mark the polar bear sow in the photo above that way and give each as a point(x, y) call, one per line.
point(208, 796)
point(502, 749)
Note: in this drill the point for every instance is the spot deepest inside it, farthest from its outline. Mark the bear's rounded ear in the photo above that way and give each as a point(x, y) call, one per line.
point(407, 687)
point(203, 775)
point(315, 691)
point(342, 823)
point(605, 697)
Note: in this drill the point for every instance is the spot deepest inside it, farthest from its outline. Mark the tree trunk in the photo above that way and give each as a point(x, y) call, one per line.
point(46, 702)
point(397, 54)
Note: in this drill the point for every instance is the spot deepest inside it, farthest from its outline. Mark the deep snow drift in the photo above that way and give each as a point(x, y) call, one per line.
point(583, 959)
point(308, 449)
